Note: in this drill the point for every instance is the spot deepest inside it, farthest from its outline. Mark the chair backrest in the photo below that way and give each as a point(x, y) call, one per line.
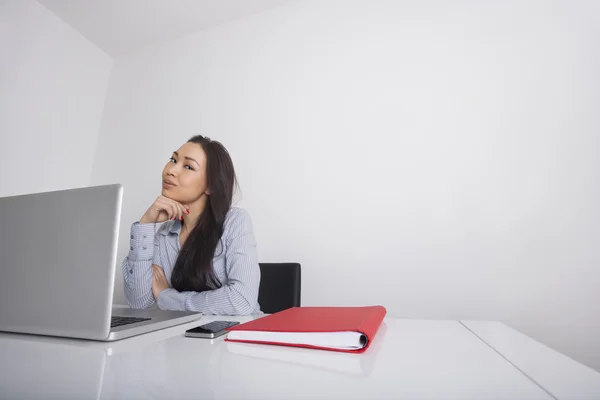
point(280, 285)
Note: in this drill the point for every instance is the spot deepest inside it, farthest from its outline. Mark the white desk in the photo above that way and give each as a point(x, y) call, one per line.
point(559, 375)
point(409, 359)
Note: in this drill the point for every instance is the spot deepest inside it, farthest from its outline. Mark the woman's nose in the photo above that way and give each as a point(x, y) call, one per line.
point(171, 171)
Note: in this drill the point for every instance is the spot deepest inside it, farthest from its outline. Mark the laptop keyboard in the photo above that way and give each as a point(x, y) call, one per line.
point(120, 321)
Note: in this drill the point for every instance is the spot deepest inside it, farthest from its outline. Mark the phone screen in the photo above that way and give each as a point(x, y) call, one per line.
point(213, 327)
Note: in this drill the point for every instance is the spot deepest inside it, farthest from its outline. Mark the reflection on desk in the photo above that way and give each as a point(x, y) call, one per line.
point(325, 361)
point(35, 369)
point(412, 359)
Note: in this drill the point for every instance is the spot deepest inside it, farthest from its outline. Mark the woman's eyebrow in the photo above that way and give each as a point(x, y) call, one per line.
point(187, 158)
point(191, 159)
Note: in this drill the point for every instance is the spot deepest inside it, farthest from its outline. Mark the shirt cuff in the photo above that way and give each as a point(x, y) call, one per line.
point(141, 244)
point(171, 299)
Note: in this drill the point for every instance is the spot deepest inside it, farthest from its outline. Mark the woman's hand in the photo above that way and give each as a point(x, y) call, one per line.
point(159, 281)
point(163, 209)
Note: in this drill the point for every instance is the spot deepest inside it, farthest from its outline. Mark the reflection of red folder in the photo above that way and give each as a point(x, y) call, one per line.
point(348, 329)
point(357, 366)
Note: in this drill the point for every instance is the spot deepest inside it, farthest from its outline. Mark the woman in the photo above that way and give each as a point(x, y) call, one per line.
point(203, 258)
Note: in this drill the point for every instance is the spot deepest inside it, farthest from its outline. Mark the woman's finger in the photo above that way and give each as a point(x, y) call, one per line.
point(158, 272)
point(172, 211)
point(165, 206)
point(178, 210)
point(184, 210)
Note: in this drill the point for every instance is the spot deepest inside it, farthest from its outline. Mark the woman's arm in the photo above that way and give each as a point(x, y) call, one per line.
point(240, 295)
point(137, 266)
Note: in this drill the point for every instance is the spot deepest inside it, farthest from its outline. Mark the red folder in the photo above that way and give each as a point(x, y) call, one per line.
point(346, 329)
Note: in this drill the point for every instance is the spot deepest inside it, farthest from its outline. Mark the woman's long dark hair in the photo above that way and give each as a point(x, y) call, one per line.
point(193, 270)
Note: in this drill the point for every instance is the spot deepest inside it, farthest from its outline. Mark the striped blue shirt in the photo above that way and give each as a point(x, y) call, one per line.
point(235, 265)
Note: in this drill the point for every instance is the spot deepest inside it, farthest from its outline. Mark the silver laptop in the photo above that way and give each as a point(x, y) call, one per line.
point(58, 259)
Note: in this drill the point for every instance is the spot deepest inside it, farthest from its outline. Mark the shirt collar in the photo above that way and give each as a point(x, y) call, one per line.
point(171, 227)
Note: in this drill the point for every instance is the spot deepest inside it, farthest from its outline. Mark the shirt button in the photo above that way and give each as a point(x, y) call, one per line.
point(144, 236)
point(131, 248)
point(131, 271)
point(144, 247)
point(132, 236)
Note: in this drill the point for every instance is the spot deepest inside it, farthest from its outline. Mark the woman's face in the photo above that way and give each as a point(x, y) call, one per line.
point(184, 176)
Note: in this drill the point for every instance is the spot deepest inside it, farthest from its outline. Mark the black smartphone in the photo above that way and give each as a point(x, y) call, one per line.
point(210, 330)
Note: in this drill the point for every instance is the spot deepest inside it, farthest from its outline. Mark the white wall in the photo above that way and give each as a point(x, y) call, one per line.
point(52, 89)
point(441, 160)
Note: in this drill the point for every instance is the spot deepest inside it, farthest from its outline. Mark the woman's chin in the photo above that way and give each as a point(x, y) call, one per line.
point(168, 193)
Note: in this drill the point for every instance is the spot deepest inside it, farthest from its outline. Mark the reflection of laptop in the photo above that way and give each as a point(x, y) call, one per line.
point(141, 367)
point(29, 370)
point(58, 258)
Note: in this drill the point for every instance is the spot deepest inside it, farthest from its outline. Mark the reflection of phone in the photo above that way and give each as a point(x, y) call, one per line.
point(211, 330)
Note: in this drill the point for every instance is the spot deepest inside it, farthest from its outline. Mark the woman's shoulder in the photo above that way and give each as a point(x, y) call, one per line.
point(237, 221)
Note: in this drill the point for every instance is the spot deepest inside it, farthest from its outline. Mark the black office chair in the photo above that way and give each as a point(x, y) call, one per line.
point(279, 286)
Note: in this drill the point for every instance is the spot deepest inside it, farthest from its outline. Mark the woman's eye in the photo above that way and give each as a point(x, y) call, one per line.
point(172, 160)
point(189, 167)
